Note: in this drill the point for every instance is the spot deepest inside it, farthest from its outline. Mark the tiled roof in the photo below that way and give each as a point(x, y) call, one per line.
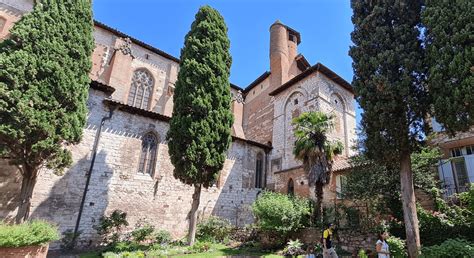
point(317, 67)
point(341, 163)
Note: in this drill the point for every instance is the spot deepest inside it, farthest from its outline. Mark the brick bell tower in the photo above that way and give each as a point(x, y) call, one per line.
point(284, 43)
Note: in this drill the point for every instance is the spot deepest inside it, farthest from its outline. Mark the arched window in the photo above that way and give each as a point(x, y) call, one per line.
point(258, 171)
point(148, 155)
point(291, 187)
point(140, 90)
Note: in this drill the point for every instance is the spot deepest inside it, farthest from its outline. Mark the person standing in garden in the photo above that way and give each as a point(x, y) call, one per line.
point(382, 246)
point(328, 249)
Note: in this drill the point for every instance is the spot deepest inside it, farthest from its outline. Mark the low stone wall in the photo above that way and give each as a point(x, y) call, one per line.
point(349, 240)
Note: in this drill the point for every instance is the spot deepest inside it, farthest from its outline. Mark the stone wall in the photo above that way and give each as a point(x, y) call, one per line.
point(115, 184)
point(349, 241)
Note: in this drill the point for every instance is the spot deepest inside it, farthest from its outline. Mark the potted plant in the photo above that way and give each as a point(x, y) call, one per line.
point(29, 239)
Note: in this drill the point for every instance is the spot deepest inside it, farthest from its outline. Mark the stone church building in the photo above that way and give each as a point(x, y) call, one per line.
point(131, 101)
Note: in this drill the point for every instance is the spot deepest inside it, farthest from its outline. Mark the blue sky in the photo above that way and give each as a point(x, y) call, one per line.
point(325, 27)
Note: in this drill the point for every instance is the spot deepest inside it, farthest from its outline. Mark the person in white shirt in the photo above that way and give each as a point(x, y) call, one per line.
point(382, 246)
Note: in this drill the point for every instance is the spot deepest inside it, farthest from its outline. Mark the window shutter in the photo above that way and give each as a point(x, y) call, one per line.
point(470, 167)
point(446, 175)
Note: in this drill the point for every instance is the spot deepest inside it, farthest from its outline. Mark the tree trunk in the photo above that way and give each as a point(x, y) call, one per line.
point(319, 203)
point(193, 214)
point(27, 185)
point(409, 206)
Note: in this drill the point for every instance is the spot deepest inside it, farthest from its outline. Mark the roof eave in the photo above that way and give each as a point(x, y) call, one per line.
point(315, 68)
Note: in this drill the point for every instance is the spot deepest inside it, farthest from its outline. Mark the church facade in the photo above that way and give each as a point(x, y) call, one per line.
point(130, 103)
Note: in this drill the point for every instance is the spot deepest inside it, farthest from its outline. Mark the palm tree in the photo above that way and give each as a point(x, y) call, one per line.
point(315, 151)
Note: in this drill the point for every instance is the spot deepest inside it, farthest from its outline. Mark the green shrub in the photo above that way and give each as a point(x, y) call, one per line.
point(452, 221)
point(200, 247)
point(362, 254)
point(36, 232)
point(467, 198)
point(163, 237)
point(67, 242)
point(142, 232)
point(449, 248)
point(213, 229)
point(280, 212)
point(124, 246)
point(137, 254)
point(396, 247)
point(109, 227)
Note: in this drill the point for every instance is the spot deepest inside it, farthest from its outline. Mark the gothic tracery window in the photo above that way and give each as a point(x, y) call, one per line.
point(140, 90)
point(148, 154)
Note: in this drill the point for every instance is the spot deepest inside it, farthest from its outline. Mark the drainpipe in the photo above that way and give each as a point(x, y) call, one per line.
point(94, 154)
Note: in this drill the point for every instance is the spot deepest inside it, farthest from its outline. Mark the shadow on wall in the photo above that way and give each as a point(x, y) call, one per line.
point(10, 183)
point(238, 190)
point(60, 202)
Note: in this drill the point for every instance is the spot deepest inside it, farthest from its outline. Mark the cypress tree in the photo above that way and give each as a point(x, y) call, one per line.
point(44, 83)
point(200, 128)
point(388, 80)
point(449, 30)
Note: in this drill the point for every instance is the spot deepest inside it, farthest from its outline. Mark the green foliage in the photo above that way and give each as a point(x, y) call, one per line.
point(466, 199)
point(293, 248)
point(352, 215)
point(200, 128)
point(449, 248)
point(315, 151)
point(128, 254)
point(450, 58)
point(124, 246)
point(67, 242)
point(388, 76)
point(397, 247)
point(142, 232)
point(213, 229)
point(200, 247)
point(280, 213)
point(109, 227)
point(380, 184)
point(44, 83)
point(163, 237)
point(452, 220)
point(362, 254)
point(311, 129)
point(36, 232)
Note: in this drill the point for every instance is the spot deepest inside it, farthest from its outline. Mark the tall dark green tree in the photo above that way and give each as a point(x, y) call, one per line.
point(200, 128)
point(388, 80)
point(44, 83)
point(449, 38)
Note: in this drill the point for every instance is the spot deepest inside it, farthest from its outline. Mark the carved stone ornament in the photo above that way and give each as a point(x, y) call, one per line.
point(238, 97)
point(126, 46)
